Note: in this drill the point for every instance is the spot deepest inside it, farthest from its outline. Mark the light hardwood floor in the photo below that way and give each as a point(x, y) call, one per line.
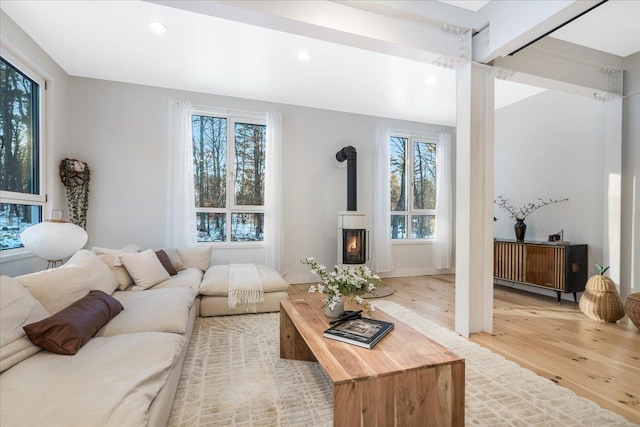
point(599, 361)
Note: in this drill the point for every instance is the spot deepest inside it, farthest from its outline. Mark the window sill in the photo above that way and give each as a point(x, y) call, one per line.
point(413, 242)
point(233, 245)
point(15, 255)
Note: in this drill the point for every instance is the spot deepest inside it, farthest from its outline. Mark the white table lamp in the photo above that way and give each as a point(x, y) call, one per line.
point(54, 240)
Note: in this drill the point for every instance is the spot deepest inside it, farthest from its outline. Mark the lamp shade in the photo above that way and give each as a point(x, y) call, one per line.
point(54, 241)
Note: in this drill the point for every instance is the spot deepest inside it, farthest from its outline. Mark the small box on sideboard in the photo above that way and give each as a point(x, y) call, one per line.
point(558, 266)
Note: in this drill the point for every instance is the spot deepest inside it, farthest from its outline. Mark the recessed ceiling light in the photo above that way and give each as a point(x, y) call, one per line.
point(304, 55)
point(158, 27)
point(431, 80)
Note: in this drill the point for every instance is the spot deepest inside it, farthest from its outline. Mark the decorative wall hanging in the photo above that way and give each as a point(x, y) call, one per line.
point(75, 176)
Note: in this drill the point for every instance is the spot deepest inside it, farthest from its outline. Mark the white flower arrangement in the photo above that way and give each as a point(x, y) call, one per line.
point(343, 283)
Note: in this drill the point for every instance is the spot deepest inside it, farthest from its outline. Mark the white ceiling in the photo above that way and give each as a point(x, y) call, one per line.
point(110, 40)
point(473, 5)
point(612, 27)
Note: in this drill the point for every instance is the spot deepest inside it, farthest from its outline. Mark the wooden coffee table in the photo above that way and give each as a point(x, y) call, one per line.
point(405, 380)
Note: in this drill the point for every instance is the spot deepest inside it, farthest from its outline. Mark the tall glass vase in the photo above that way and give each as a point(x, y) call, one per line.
point(521, 229)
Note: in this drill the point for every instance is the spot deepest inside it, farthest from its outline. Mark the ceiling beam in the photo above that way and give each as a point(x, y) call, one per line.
point(514, 24)
point(340, 23)
point(559, 65)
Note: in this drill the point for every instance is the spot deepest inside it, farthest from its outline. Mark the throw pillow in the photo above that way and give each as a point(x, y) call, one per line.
point(129, 249)
point(198, 257)
point(69, 329)
point(175, 259)
point(166, 262)
point(58, 288)
point(145, 268)
point(122, 276)
point(17, 308)
point(110, 257)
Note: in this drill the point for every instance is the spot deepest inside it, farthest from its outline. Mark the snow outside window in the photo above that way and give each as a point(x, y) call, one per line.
point(229, 168)
point(412, 186)
point(22, 194)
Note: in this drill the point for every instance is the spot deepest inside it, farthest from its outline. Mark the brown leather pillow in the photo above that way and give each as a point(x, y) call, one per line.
point(70, 328)
point(166, 262)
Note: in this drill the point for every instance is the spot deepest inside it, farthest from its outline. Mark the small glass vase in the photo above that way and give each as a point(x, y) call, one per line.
point(337, 310)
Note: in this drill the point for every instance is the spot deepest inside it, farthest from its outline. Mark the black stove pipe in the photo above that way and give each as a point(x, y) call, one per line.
point(349, 154)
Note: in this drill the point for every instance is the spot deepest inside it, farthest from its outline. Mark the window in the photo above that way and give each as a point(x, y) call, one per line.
point(229, 167)
point(413, 186)
point(21, 184)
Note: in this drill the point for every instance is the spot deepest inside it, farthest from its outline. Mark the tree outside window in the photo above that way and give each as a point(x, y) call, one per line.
point(20, 172)
point(412, 187)
point(229, 166)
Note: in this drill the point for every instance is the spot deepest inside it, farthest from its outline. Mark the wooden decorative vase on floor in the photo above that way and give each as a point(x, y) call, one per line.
point(600, 300)
point(632, 307)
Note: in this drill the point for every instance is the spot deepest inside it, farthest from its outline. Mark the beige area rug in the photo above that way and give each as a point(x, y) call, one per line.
point(233, 376)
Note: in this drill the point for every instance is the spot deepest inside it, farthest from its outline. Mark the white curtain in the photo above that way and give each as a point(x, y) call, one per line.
point(381, 257)
point(444, 204)
point(181, 221)
point(273, 207)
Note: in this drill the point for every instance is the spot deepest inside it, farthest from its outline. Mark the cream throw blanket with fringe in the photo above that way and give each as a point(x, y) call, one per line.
point(245, 286)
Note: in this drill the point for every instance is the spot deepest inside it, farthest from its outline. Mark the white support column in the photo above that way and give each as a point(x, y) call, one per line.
point(474, 199)
point(612, 168)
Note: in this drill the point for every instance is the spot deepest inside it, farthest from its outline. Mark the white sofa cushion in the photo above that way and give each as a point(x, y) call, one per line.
point(216, 280)
point(187, 278)
point(17, 308)
point(111, 381)
point(60, 287)
point(156, 310)
point(145, 269)
point(198, 257)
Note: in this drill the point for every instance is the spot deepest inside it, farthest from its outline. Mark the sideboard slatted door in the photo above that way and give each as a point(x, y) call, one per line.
point(509, 261)
point(542, 265)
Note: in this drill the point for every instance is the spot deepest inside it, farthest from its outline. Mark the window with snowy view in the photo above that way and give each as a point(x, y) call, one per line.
point(20, 172)
point(229, 167)
point(412, 186)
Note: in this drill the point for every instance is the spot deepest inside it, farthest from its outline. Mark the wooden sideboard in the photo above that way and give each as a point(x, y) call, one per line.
point(559, 267)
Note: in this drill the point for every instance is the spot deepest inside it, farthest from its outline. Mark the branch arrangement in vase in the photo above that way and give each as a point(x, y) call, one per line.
point(526, 210)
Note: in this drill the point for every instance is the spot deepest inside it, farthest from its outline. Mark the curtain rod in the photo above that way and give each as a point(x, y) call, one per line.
point(229, 111)
point(415, 133)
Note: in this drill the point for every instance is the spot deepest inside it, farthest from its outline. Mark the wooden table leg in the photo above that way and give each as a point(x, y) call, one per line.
point(292, 345)
point(433, 396)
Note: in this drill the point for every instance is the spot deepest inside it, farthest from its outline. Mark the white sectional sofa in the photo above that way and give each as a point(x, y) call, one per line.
point(195, 270)
point(127, 373)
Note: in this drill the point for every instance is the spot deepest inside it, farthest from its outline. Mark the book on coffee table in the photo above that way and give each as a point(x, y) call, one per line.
point(362, 332)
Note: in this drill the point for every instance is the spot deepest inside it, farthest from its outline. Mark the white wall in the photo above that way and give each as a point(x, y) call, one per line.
point(630, 274)
point(120, 130)
point(551, 146)
point(15, 42)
